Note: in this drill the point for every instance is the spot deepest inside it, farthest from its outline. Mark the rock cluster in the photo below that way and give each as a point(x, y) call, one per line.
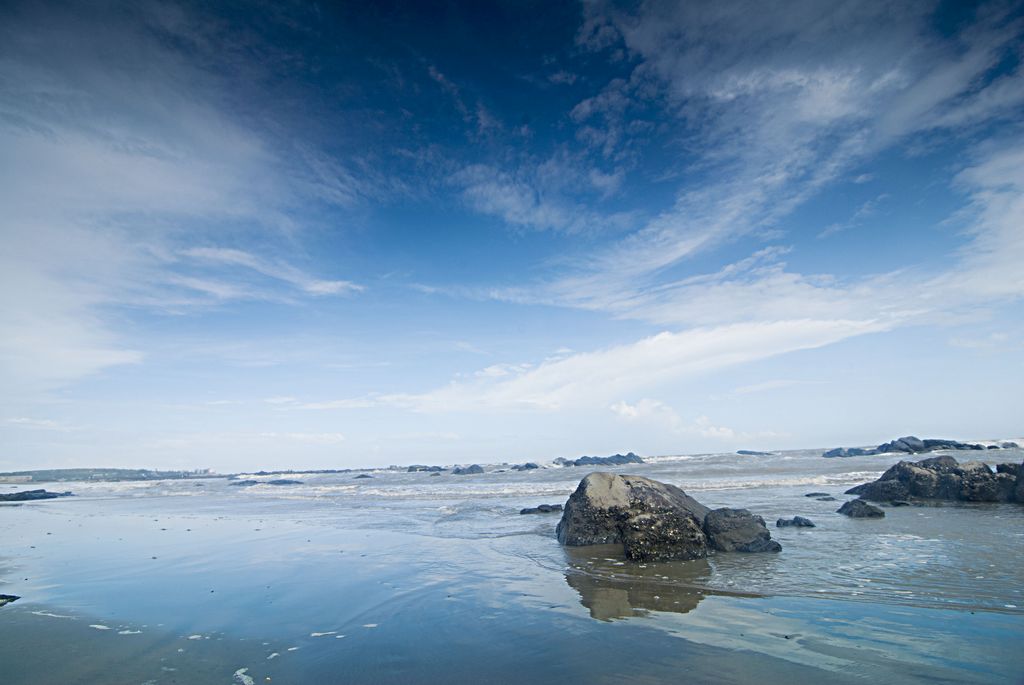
point(468, 470)
point(943, 478)
point(911, 445)
point(528, 466)
point(656, 521)
point(614, 460)
point(420, 467)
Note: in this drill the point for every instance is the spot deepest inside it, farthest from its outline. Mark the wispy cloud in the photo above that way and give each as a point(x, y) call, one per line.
point(278, 270)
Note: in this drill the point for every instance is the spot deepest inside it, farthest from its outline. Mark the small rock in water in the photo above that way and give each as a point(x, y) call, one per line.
point(858, 509)
point(828, 498)
point(796, 521)
point(542, 509)
point(816, 494)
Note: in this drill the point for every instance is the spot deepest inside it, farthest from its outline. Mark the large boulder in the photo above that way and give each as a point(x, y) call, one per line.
point(651, 520)
point(468, 470)
point(859, 509)
point(655, 521)
point(737, 530)
point(943, 478)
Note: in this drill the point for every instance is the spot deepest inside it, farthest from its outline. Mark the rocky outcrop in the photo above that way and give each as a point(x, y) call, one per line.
point(859, 509)
point(30, 495)
point(909, 445)
point(737, 530)
point(420, 467)
point(7, 599)
point(614, 460)
point(795, 522)
point(655, 521)
point(468, 470)
point(943, 478)
point(542, 509)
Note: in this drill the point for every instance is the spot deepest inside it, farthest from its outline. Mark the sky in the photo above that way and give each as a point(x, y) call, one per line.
point(245, 235)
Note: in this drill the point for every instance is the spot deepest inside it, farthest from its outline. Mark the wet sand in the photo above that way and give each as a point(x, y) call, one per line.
point(455, 589)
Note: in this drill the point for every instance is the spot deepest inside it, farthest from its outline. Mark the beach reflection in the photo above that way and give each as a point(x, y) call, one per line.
point(611, 588)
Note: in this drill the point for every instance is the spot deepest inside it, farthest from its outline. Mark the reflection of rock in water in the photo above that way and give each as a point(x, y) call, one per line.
point(610, 590)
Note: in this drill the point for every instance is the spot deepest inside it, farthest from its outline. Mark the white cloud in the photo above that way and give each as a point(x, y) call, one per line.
point(594, 379)
point(279, 270)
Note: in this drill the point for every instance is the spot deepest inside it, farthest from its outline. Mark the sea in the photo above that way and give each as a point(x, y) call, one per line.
point(415, 578)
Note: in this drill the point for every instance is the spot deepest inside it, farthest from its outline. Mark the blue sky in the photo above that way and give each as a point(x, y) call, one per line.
point(297, 235)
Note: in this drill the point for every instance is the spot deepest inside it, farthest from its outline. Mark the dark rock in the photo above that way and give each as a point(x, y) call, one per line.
point(796, 521)
point(830, 498)
point(753, 453)
point(614, 460)
point(942, 478)
point(419, 467)
point(528, 466)
point(284, 481)
point(737, 530)
point(907, 445)
point(30, 495)
point(859, 509)
point(362, 475)
point(7, 599)
point(435, 473)
point(848, 452)
point(468, 471)
point(1011, 469)
point(816, 494)
point(651, 520)
point(542, 509)
point(1009, 445)
point(1018, 492)
point(899, 503)
point(993, 447)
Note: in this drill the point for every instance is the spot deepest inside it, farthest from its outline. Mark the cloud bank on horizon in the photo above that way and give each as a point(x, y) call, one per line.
point(297, 236)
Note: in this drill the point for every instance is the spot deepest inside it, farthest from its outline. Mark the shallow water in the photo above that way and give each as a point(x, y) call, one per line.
point(414, 578)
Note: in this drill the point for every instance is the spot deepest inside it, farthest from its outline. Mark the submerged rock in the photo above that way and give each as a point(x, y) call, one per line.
point(827, 498)
point(753, 453)
point(816, 494)
point(243, 483)
point(737, 530)
point(468, 471)
point(30, 495)
point(284, 481)
point(859, 509)
point(796, 521)
point(654, 521)
point(542, 509)
point(362, 475)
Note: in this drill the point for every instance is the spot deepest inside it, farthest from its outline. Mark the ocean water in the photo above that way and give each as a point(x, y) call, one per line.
point(408, 577)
